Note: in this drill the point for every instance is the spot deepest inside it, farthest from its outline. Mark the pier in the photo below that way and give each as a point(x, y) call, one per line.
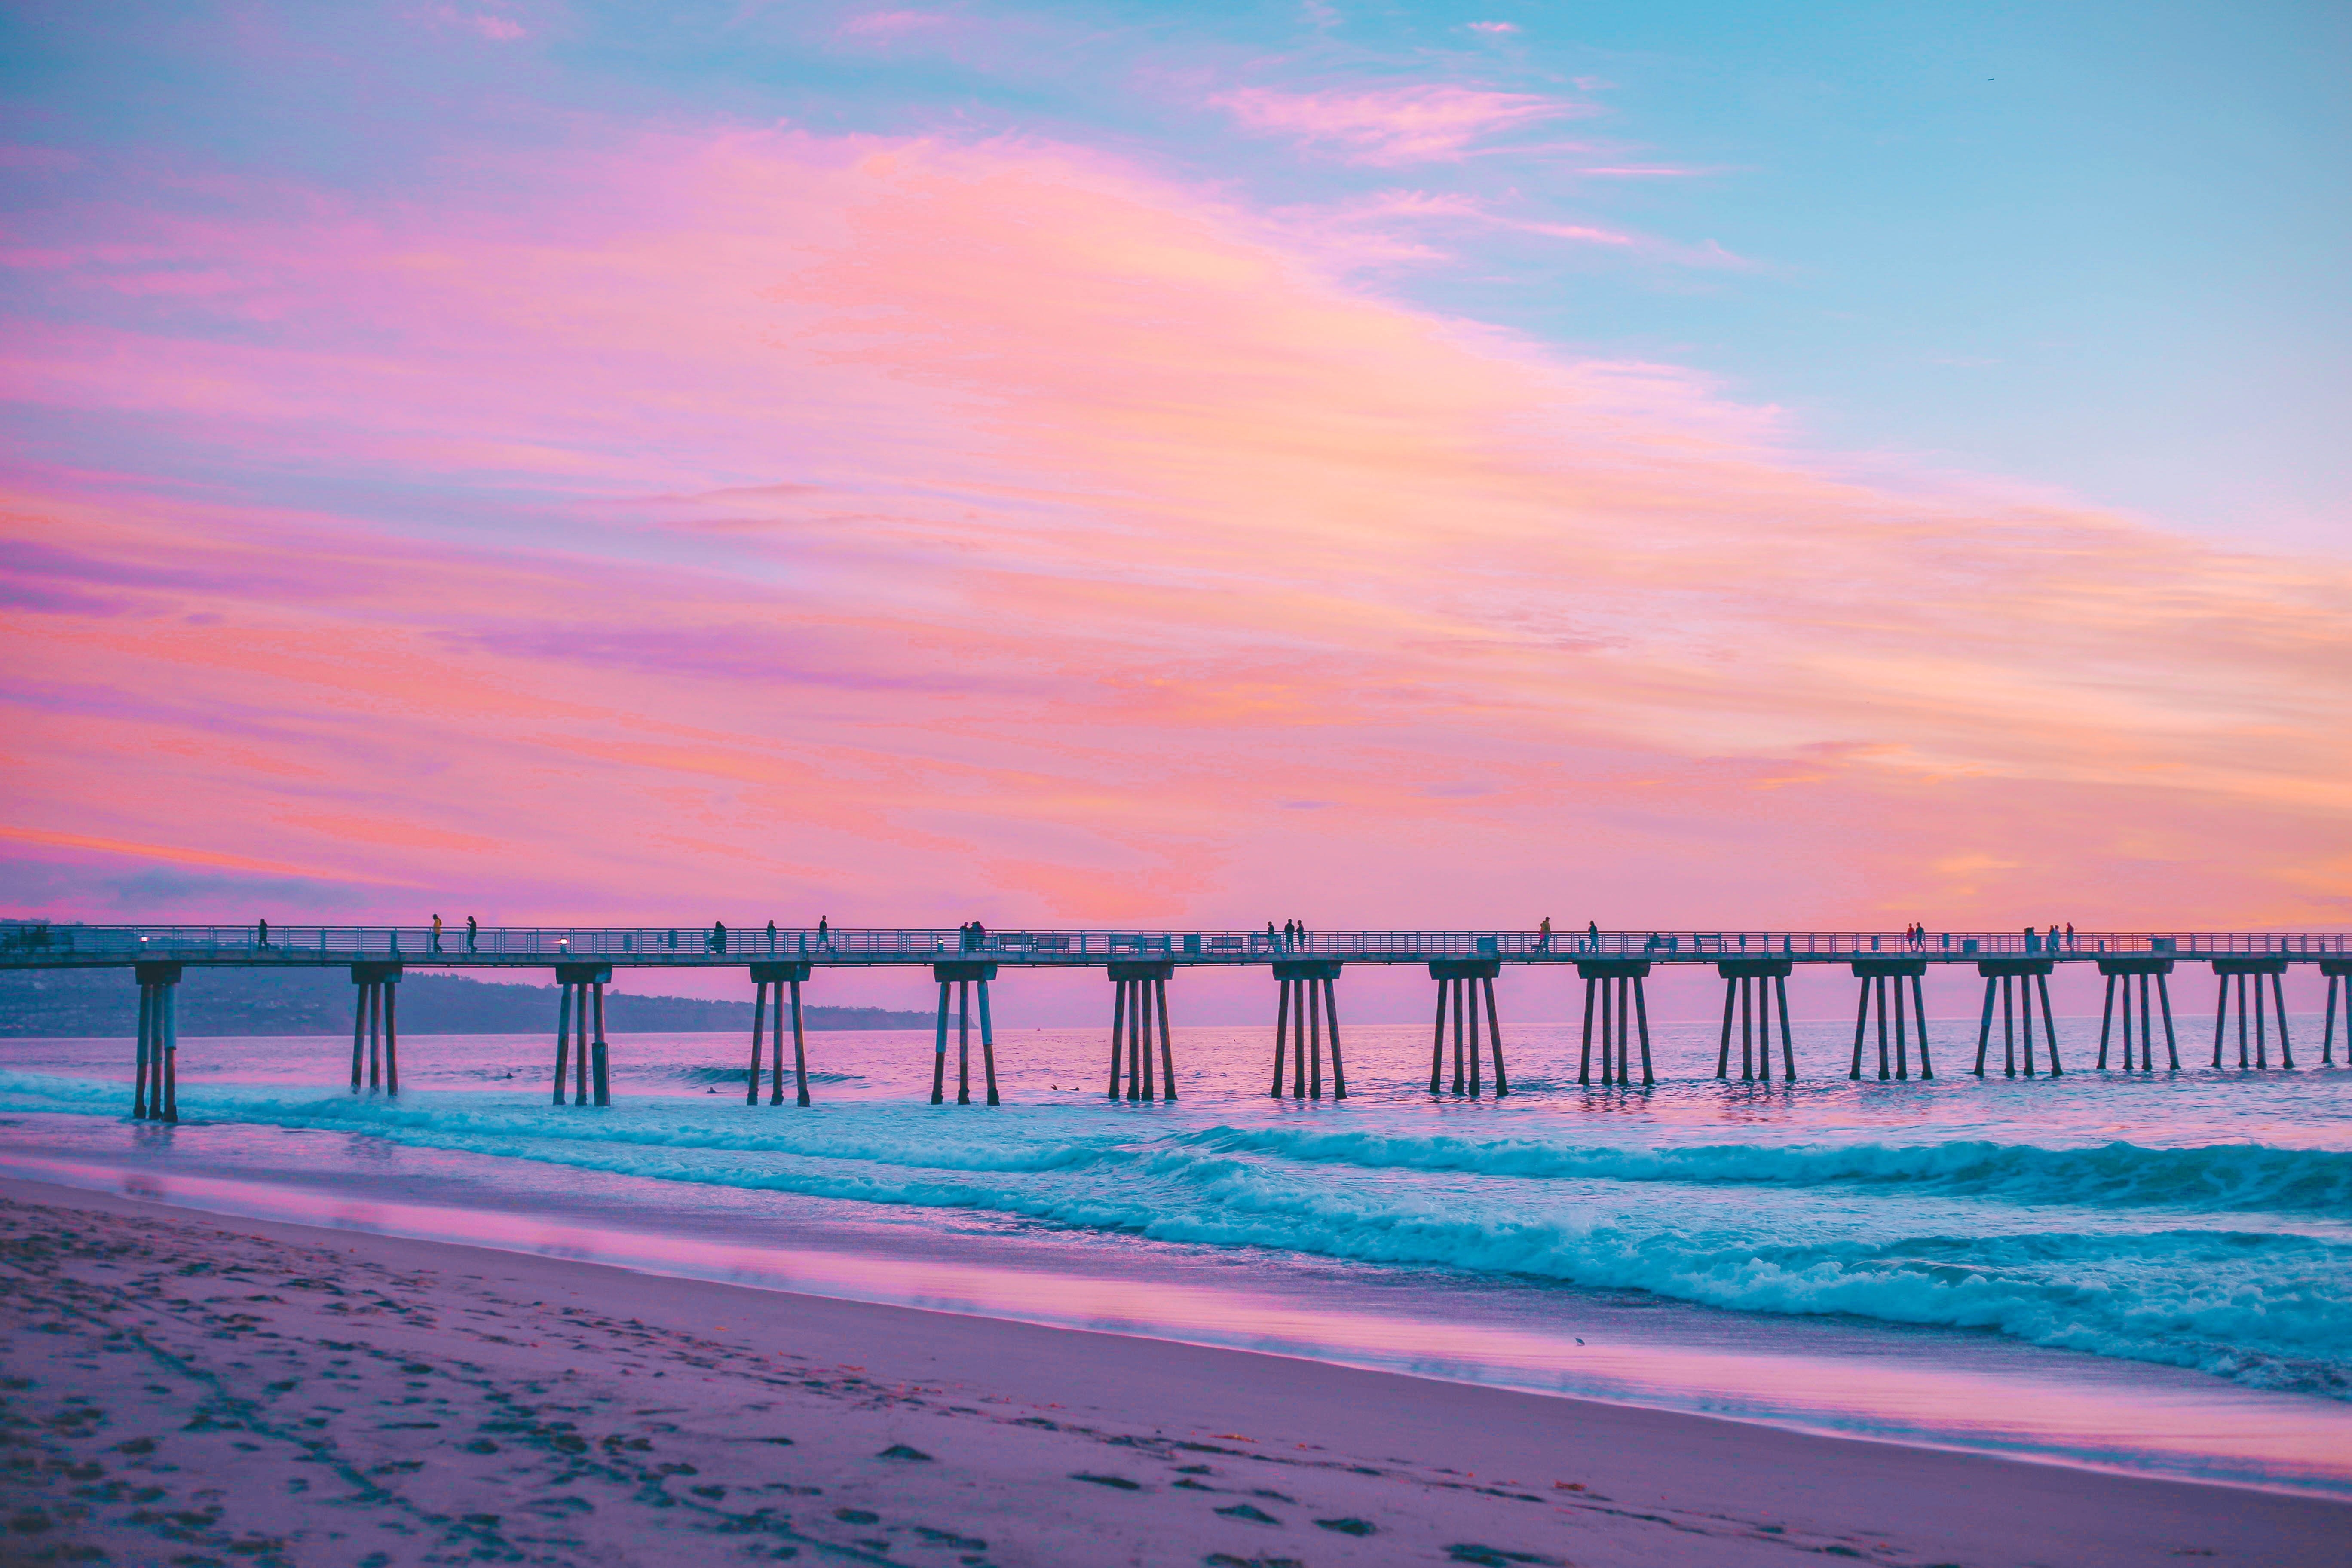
point(2249, 969)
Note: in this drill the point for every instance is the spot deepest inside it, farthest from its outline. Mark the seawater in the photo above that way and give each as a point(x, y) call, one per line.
point(1922, 1261)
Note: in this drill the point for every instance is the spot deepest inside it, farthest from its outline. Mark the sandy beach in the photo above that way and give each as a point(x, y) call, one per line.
point(193, 1389)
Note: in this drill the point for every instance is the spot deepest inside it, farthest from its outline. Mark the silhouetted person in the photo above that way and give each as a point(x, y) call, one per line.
point(719, 936)
point(437, 932)
point(471, 929)
point(823, 937)
point(264, 933)
point(1543, 935)
point(1592, 935)
point(772, 936)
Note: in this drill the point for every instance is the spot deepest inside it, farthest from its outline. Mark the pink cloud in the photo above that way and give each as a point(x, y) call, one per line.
point(1494, 28)
point(1394, 125)
point(914, 527)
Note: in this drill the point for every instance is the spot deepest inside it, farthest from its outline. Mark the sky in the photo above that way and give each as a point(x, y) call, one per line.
point(1681, 466)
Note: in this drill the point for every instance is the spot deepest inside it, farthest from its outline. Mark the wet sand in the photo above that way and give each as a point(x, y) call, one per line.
point(201, 1389)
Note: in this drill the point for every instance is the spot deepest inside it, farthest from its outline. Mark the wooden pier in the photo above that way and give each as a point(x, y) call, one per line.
point(1615, 967)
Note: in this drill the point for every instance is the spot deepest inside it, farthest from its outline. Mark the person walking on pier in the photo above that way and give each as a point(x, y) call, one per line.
point(436, 930)
point(472, 930)
point(719, 936)
point(1543, 935)
point(823, 932)
point(1592, 936)
point(264, 928)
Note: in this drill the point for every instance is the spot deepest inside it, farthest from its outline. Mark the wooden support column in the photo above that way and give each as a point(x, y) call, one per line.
point(1902, 1041)
point(770, 982)
point(1167, 1048)
point(603, 1052)
point(1281, 1028)
point(1749, 990)
point(2106, 1024)
point(759, 1023)
point(988, 1048)
point(940, 1051)
point(800, 1055)
point(2163, 1000)
point(1585, 1059)
point(562, 1035)
point(2338, 973)
point(1788, 1047)
point(1495, 1036)
point(1919, 1019)
point(2049, 1028)
point(580, 1033)
point(1437, 1045)
point(1307, 997)
point(1458, 989)
point(1619, 985)
point(956, 979)
point(1984, 1024)
point(2278, 995)
point(963, 1042)
point(146, 1037)
point(1331, 1018)
point(391, 1033)
point(1118, 1038)
point(2266, 973)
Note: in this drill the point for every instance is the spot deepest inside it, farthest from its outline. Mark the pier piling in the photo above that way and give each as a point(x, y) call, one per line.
point(2155, 978)
point(1877, 975)
point(155, 1092)
point(1756, 989)
point(1620, 986)
point(1308, 998)
point(1462, 986)
point(955, 980)
point(375, 1028)
point(1139, 1014)
point(580, 1033)
point(2017, 982)
point(2255, 969)
point(779, 982)
point(2338, 972)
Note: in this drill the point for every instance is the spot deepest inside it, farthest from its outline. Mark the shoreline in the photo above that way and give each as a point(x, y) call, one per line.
point(1570, 1480)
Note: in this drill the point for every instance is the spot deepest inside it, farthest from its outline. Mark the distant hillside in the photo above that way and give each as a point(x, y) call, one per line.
point(61, 1002)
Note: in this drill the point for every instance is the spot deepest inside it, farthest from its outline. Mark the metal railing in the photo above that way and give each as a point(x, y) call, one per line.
point(39, 944)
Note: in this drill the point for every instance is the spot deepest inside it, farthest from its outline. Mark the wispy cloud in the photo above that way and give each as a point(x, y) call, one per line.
point(810, 570)
point(1394, 125)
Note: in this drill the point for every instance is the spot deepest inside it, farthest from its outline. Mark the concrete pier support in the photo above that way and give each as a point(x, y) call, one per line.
point(1461, 983)
point(156, 1090)
point(2252, 970)
point(1757, 988)
point(1884, 980)
point(580, 1033)
point(2014, 982)
point(2339, 994)
point(2155, 978)
point(956, 981)
point(1138, 1015)
point(783, 982)
point(1308, 999)
point(1619, 985)
point(375, 1028)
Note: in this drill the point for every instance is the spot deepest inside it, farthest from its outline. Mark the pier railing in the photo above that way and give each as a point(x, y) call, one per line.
point(36, 944)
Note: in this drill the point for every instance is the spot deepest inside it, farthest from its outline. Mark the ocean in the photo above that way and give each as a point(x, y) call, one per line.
point(2145, 1273)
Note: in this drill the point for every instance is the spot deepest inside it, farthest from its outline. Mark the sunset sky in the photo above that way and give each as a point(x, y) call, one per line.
point(1674, 464)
